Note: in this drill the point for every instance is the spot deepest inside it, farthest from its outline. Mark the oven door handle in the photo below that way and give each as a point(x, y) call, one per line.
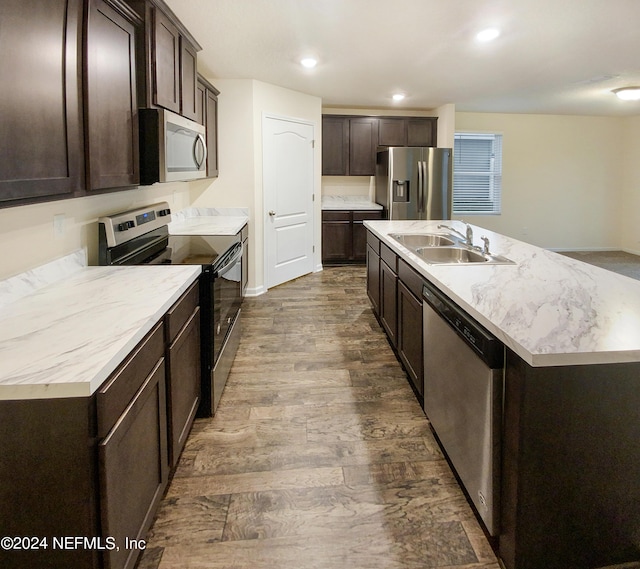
point(232, 262)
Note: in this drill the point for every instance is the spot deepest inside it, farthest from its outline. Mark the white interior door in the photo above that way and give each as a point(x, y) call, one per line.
point(287, 172)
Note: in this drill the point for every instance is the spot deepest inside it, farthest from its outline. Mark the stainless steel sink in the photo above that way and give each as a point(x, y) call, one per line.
point(459, 256)
point(416, 240)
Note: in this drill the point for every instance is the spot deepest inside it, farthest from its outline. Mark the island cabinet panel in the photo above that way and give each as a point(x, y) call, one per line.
point(571, 450)
point(41, 147)
point(389, 293)
point(410, 349)
point(373, 272)
point(111, 97)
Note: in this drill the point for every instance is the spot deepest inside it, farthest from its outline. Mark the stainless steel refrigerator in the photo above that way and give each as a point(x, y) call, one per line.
point(414, 182)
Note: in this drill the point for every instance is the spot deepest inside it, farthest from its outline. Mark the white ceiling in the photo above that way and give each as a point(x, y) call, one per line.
point(553, 56)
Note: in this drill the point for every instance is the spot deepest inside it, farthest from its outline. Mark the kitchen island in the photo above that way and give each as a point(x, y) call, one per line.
point(570, 497)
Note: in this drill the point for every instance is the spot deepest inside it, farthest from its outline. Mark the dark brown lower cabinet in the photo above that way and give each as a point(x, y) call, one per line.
point(95, 468)
point(389, 293)
point(395, 292)
point(410, 336)
point(133, 470)
point(373, 273)
point(184, 384)
point(344, 236)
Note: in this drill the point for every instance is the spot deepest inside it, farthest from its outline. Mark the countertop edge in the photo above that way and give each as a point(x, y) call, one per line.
point(533, 359)
point(58, 390)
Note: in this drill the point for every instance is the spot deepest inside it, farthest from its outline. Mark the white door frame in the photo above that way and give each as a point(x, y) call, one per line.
point(264, 208)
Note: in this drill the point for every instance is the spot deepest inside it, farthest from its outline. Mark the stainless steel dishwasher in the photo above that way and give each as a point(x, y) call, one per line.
point(463, 385)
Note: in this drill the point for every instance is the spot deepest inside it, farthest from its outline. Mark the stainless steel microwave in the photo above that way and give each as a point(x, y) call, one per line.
point(172, 148)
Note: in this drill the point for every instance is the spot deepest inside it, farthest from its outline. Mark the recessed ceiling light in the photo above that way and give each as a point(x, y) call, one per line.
point(309, 62)
point(398, 96)
point(488, 35)
point(628, 93)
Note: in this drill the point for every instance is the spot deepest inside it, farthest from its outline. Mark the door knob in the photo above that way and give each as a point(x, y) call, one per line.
point(272, 213)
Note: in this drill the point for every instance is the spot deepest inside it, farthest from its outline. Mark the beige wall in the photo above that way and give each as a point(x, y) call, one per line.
point(242, 106)
point(27, 234)
point(630, 205)
point(562, 182)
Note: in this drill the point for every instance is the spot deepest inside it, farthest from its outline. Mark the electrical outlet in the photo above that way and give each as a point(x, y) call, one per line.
point(58, 225)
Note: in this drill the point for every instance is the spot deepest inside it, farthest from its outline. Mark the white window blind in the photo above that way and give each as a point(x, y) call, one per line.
point(477, 173)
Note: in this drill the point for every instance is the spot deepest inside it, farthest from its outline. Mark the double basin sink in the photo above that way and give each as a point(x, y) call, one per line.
point(447, 249)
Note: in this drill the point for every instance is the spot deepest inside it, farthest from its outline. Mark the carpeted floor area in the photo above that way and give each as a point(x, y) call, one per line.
point(617, 261)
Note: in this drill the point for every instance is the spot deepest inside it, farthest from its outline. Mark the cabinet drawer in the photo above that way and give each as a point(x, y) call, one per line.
point(336, 216)
point(411, 279)
point(389, 257)
point(362, 215)
point(116, 393)
point(373, 242)
point(181, 311)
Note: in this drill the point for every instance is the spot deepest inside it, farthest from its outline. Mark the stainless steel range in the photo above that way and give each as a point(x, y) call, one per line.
point(141, 236)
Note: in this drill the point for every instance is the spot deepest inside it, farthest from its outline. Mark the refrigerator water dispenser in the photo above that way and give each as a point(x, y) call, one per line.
point(400, 190)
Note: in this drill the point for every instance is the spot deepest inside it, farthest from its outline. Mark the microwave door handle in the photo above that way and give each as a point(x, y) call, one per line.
point(200, 139)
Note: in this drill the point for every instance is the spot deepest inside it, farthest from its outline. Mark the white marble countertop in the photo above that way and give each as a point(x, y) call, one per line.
point(549, 309)
point(65, 338)
point(208, 221)
point(349, 202)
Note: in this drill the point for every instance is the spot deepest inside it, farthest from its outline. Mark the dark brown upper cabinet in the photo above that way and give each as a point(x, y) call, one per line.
point(407, 131)
point(363, 140)
point(335, 145)
point(392, 132)
point(349, 143)
point(207, 115)
point(174, 55)
point(111, 117)
point(41, 147)
point(166, 62)
point(188, 79)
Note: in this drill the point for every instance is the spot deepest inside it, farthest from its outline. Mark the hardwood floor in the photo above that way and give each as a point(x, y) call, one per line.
point(319, 456)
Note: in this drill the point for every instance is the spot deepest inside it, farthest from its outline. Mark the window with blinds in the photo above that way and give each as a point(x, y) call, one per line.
point(477, 173)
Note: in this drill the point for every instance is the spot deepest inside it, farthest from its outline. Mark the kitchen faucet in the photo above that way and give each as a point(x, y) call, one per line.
point(469, 236)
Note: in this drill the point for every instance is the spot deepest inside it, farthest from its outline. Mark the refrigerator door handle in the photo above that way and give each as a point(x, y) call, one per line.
point(420, 187)
point(428, 186)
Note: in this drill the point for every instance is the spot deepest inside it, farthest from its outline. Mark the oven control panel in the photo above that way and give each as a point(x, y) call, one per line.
point(122, 227)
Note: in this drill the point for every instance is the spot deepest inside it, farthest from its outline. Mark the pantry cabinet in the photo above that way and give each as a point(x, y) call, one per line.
point(41, 147)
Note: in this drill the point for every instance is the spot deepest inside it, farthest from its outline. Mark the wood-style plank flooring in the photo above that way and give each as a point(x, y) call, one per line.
point(319, 456)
